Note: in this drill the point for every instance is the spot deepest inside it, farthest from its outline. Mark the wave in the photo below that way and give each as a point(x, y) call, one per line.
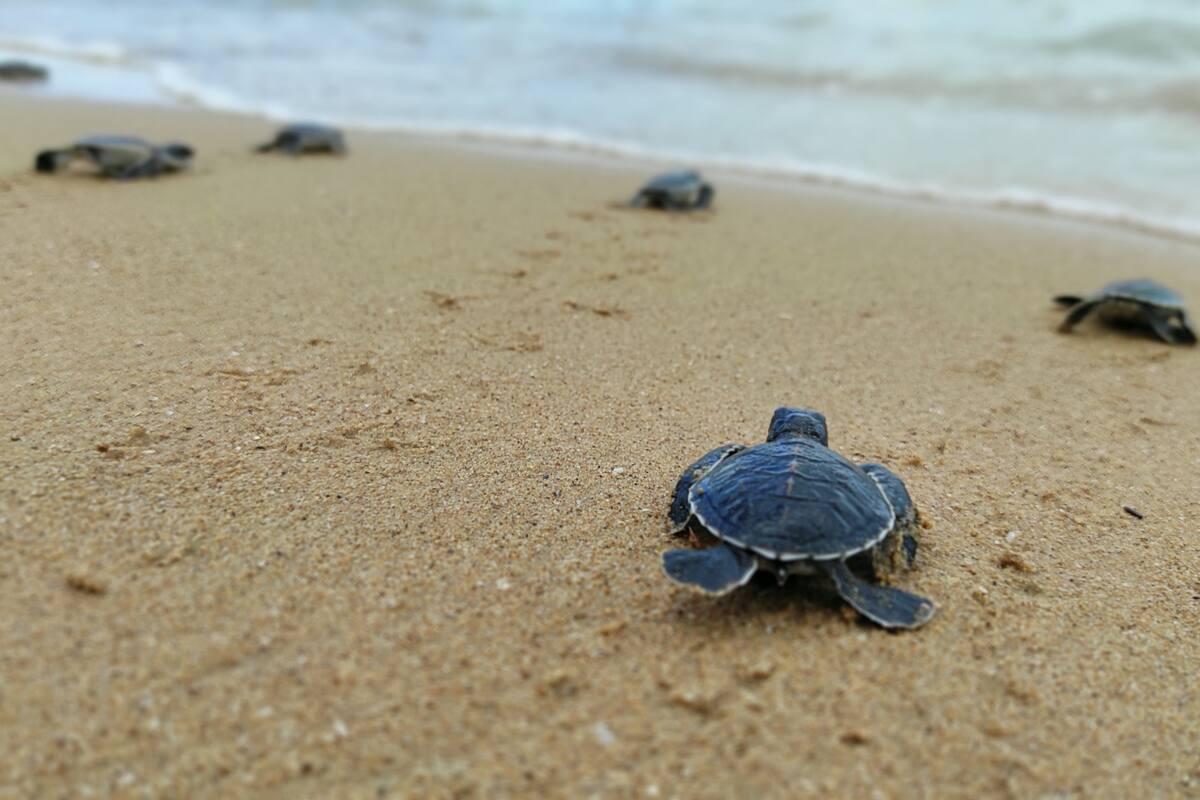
point(1015, 198)
point(1159, 40)
point(107, 53)
point(180, 87)
point(174, 85)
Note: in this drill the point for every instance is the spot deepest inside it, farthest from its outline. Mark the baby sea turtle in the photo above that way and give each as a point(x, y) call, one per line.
point(792, 506)
point(306, 137)
point(1141, 302)
point(22, 72)
point(119, 156)
point(675, 191)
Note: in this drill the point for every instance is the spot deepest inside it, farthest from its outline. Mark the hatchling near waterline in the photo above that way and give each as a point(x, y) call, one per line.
point(22, 72)
point(675, 191)
point(121, 157)
point(792, 506)
point(306, 137)
point(1139, 303)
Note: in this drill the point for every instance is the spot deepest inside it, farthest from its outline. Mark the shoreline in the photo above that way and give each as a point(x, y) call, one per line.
point(572, 147)
point(348, 477)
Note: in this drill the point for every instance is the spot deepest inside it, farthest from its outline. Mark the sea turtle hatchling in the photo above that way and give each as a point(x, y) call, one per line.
point(121, 157)
point(675, 191)
point(792, 506)
point(1141, 302)
point(22, 72)
point(306, 137)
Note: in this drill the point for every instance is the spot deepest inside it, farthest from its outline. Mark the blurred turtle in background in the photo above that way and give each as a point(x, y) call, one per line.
point(675, 191)
point(122, 157)
point(22, 72)
point(1139, 303)
point(306, 137)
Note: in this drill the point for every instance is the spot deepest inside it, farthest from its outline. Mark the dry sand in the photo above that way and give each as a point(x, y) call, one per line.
point(347, 478)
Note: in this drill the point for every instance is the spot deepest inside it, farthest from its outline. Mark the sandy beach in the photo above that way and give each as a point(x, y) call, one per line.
point(348, 478)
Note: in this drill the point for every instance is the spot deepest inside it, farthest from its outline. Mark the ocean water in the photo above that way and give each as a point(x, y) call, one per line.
point(1088, 108)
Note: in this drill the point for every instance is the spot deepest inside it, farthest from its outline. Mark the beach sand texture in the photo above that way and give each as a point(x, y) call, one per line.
point(348, 477)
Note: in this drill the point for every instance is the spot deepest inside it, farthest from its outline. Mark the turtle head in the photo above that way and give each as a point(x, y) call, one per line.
point(176, 154)
point(798, 422)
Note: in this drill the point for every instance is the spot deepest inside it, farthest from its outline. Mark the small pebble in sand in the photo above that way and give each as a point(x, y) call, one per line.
point(560, 683)
point(980, 594)
point(503, 584)
point(85, 582)
point(443, 300)
point(1133, 512)
point(757, 671)
point(1014, 561)
point(693, 700)
point(604, 734)
point(854, 738)
point(1011, 535)
point(611, 628)
point(618, 471)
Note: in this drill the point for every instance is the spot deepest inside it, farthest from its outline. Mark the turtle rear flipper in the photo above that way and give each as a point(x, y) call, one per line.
point(714, 570)
point(150, 168)
point(52, 160)
point(1077, 314)
point(883, 605)
point(705, 198)
point(640, 200)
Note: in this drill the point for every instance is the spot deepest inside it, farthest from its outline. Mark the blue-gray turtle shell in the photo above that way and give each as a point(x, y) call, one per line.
point(1142, 290)
point(792, 499)
point(680, 182)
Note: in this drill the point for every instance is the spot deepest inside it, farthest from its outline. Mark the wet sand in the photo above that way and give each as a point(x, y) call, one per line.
point(347, 478)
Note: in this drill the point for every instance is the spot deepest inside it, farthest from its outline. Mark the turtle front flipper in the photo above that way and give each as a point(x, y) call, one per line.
point(1068, 299)
point(1161, 325)
point(681, 510)
point(1077, 314)
point(705, 198)
point(714, 570)
point(1184, 333)
point(884, 605)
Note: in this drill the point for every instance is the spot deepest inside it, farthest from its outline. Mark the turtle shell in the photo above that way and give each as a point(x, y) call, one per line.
point(114, 152)
point(1142, 290)
point(675, 182)
point(309, 135)
point(792, 499)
